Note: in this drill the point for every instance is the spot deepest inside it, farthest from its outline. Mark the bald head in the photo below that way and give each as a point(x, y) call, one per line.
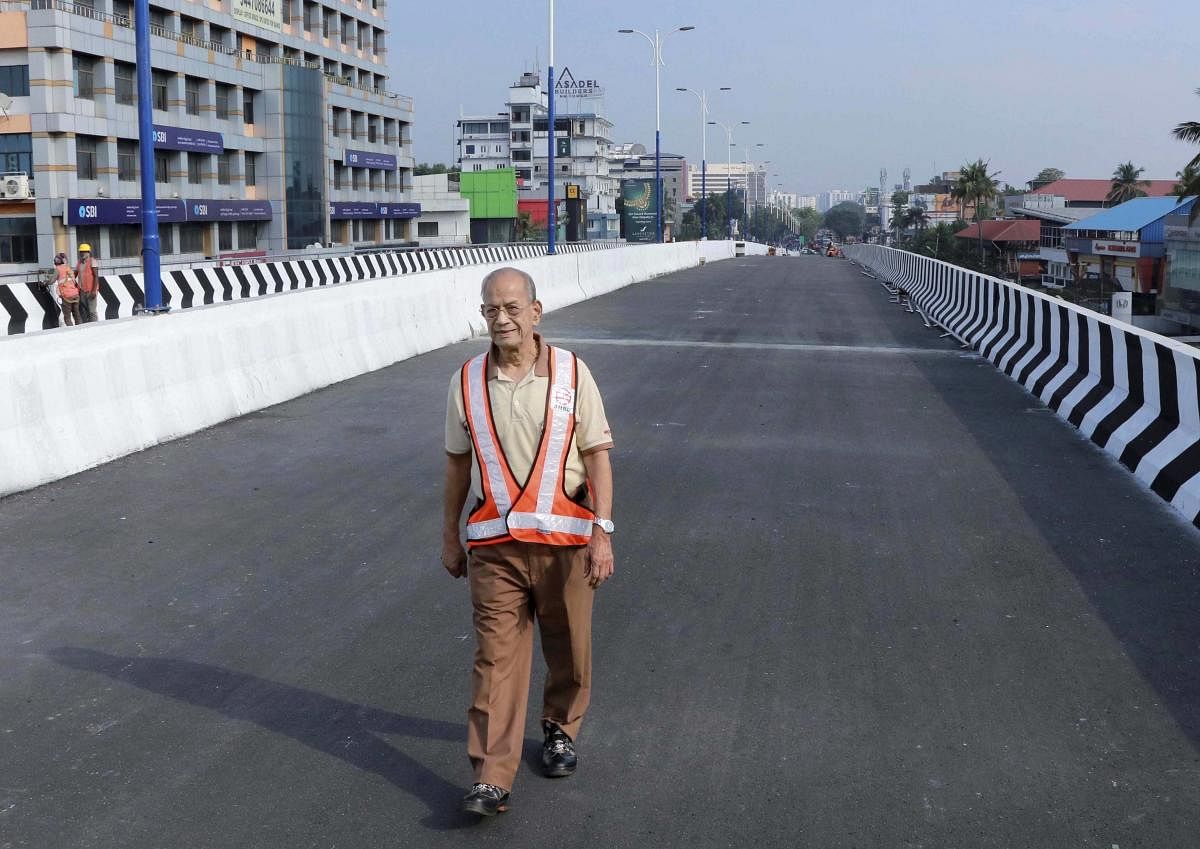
point(503, 274)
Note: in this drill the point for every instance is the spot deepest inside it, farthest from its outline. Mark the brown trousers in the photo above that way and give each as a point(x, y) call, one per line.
point(513, 583)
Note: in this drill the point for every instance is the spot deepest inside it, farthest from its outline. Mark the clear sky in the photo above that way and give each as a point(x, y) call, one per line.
point(836, 90)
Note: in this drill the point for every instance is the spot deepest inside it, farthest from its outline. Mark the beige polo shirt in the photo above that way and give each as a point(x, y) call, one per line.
point(519, 413)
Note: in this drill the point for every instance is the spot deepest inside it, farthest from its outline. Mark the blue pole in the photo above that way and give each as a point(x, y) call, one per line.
point(551, 212)
point(658, 180)
point(703, 199)
point(150, 248)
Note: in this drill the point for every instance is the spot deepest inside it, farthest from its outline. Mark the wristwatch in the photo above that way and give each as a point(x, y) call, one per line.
point(605, 525)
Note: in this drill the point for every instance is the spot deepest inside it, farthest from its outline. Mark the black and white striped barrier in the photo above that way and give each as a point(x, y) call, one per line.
point(28, 307)
point(1134, 393)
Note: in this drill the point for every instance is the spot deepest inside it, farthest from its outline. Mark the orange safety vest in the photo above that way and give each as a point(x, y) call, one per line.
point(540, 509)
point(85, 273)
point(67, 289)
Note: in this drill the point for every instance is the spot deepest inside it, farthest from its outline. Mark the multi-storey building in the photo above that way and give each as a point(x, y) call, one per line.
point(273, 128)
point(582, 140)
point(828, 200)
point(743, 178)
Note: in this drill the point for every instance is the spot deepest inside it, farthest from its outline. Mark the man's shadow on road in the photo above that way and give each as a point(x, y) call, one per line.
point(339, 728)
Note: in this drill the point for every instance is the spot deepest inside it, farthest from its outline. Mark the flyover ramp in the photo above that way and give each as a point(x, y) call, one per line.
point(869, 593)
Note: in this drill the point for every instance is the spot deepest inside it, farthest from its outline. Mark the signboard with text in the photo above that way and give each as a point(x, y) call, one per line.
point(368, 159)
point(177, 138)
point(567, 86)
point(87, 211)
point(639, 211)
point(1109, 248)
point(369, 209)
point(267, 14)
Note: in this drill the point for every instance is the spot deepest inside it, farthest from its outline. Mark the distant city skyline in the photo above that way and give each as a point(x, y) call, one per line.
point(1025, 85)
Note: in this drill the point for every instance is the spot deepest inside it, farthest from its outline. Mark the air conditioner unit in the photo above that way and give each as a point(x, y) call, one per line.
point(15, 187)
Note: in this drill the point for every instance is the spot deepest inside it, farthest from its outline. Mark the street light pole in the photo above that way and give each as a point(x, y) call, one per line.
point(703, 95)
point(551, 211)
point(728, 175)
point(656, 44)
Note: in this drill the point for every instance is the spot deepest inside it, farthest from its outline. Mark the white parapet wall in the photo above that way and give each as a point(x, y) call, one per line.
point(74, 398)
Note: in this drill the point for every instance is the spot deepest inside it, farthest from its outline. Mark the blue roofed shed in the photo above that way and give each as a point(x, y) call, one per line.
point(1123, 245)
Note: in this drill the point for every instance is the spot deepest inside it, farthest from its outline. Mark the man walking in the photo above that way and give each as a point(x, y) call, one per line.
point(527, 437)
point(87, 274)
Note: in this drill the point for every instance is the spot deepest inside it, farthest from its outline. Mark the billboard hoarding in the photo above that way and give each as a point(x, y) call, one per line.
point(267, 14)
point(178, 138)
point(639, 211)
point(86, 211)
point(368, 159)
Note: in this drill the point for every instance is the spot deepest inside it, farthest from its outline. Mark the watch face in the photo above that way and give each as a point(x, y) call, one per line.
point(606, 525)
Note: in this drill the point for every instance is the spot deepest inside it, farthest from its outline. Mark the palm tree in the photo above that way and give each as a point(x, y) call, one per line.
point(975, 184)
point(1127, 183)
point(1189, 177)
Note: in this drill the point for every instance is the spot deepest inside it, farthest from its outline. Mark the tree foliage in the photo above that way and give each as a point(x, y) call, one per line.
point(846, 219)
point(1189, 177)
point(808, 222)
point(1127, 183)
point(975, 185)
point(424, 168)
point(1045, 177)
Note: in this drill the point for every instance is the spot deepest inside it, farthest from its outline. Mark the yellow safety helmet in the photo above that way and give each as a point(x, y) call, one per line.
point(85, 247)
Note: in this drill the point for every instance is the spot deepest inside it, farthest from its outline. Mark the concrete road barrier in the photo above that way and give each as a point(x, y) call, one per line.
point(1134, 393)
point(73, 398)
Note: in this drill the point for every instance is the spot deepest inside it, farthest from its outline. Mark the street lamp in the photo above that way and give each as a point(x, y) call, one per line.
point(751, 206)
point(703, 95)
point(728, 175)
point(656, 43)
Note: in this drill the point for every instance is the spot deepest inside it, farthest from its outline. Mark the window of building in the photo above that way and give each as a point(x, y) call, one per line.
point(125, 75)
point(225, 236)
point(247, 235)
point(18, 239)
point(220, 35)
point(523, 174)
point(224, 93)
point(285, 11)
point(189, 29)
point(166, 238)
point(84, 68)
point(250, 168)
point(191, 238)
point(159, 22)
point(474, 128)
point(248, 95)
point(162, 166)
point(427, 228)
point(374, 179)
point(469, 149)
point(158, 84)
point(14, 80)
point(520, 116)
point(478, 166)
point(312, 16)
point(124, 240)
point(372, 132)
point(85, 157)
point(522, 156)
point(123, 12)
point(127, 160)
point(357, 177)
point(16, 153)
point(338, 177)
point(196, 167)
point(224, 168)
point(191, 95)
point(580, 130)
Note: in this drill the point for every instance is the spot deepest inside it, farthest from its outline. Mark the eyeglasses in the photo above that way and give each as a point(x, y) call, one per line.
point(513, 310)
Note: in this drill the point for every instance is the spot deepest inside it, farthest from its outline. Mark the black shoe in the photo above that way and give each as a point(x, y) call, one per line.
point(487, 800)
point(558, 752)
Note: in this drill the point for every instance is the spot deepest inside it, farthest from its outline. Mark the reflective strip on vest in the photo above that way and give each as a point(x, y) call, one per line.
point(489, 452)
point(486, 530)
point(548, 523)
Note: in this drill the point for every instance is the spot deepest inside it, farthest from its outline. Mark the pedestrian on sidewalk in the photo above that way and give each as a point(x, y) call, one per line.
point(87, 275)
point(527, 438)
point(66, 289)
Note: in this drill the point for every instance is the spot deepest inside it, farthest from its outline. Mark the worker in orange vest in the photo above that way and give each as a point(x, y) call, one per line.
point(527, 437)
point(67, 289)
point(87, 274)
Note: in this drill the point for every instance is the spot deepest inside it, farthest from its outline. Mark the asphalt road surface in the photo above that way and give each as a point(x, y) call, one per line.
point(869, 593)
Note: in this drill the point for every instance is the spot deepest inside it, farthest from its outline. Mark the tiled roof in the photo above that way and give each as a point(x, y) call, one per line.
point(1005, 230)
point(1096, 191)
